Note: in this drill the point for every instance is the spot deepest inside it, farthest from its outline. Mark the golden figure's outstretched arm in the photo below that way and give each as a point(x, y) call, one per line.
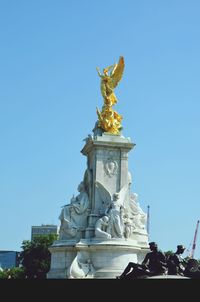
point(98, 70)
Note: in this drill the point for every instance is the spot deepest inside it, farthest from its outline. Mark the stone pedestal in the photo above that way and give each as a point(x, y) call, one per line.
point(93, 259)
point(110, 257)
point(62, 254)
point(106, 174)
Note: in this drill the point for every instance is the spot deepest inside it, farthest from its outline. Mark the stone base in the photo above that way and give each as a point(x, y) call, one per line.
point(57, 274)
point(63, 253)
point(110, 257)
point(94, 258)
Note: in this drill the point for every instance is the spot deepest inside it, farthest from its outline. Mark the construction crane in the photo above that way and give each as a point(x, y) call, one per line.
point(194, 241)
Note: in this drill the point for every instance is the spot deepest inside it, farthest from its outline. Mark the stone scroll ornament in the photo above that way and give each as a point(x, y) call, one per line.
point(80, 268)
point(108, 119)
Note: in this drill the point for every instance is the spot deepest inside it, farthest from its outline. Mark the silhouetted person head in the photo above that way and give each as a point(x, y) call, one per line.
point(180, 249)
point(153, 246)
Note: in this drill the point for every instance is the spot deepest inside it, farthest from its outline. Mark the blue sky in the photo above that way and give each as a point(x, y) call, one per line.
point(48, 98)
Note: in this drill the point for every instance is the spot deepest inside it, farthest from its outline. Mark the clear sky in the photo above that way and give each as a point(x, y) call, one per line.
point(49, 51)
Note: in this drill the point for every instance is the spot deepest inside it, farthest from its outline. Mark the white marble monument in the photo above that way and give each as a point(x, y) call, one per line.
point(103, 227)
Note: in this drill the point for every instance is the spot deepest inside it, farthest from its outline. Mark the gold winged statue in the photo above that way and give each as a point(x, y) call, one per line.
point(108, 119)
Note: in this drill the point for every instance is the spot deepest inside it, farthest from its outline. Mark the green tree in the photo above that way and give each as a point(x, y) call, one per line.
point(3, 274)
point(35, 257)
point(12, 273)
point(168, 253)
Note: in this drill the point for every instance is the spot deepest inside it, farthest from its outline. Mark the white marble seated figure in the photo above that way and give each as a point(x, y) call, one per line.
point(139, 216)
point(101, 227)
point(73, 216)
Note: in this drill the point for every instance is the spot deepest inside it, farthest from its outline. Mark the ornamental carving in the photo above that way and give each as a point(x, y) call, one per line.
point(110, 167)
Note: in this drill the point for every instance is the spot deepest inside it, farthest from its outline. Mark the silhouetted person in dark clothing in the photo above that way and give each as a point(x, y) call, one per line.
point(175, 263)
point(192, 269)
point(153, 264)
point(155, 260)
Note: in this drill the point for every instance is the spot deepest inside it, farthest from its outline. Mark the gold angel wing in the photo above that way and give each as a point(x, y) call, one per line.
point(117, 72)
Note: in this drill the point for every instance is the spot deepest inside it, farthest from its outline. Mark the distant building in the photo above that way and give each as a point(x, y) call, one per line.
point(9, 259)
point(44, 229)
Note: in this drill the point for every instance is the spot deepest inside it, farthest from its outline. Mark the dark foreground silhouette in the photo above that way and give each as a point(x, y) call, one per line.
point(140, 271)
